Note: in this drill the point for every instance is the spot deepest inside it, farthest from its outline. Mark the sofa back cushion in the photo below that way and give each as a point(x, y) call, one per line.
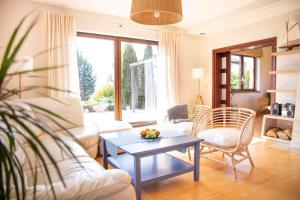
point(68, 108)
point(21, 109)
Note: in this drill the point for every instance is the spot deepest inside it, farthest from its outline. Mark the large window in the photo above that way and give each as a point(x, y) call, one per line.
point(95, 60)
point(243, 72)
point(117, 77)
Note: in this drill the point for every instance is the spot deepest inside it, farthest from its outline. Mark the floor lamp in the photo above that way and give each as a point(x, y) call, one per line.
point(21, 64)
point(198, 74)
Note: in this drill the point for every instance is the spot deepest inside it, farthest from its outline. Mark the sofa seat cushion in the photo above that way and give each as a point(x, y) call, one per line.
point(90, 182)
point(106, 126)
point(87, 135)
point(57, 153)
point(222, 137)
point(184, 127)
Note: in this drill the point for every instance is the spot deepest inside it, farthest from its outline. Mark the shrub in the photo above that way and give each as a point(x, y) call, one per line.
point(89, 105)
point(107, 91)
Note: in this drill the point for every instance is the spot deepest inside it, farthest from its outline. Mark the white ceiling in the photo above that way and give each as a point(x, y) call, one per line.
point(198, 15)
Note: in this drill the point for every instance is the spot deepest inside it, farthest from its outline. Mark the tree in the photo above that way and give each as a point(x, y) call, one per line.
point(148, 54)
point(129, 56)
point(87, 79)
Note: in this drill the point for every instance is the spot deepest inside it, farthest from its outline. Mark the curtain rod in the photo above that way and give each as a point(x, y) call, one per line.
point(121, 25)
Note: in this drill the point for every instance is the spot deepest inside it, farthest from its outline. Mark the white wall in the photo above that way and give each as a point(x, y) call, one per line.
point(188, 59)
point(11, 12)
point(265, 83)
point(273, 27)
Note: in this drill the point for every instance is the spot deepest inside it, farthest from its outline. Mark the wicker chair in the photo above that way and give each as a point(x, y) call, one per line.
point(228, 130)
point(193, 112)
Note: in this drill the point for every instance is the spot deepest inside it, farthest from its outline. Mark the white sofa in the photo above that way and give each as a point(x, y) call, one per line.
point(70, 109)
point(89, 180)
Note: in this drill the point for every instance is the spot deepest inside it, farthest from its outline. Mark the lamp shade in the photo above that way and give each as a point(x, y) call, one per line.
point(24, 63)
point(156, 12)
point(198, 73)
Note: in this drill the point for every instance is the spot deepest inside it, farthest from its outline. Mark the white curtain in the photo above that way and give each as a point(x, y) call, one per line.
point(58, 40)
point(167, 90)
point(150, 86)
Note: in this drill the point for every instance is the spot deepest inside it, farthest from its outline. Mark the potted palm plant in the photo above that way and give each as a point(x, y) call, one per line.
point(18, 126)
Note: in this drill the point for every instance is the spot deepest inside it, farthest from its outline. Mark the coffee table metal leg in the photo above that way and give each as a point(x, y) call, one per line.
point(137, 177)
point(196, 161)
point(105, 155)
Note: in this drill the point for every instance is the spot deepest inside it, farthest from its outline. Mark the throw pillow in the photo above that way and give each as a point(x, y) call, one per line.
point(178, 112)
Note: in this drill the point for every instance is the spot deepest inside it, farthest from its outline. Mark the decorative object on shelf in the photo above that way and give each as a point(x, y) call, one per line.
point(263, 103)
point(156, 12)
point(277, 132)
point(276, 109)
point(21, 64)
point(272, 132)
point(290, 25)
point(288, 110)
point(288, 132)
point(198, 74)
point(282, 135)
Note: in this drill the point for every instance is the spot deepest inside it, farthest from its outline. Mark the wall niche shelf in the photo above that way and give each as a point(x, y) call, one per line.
point(286, 71)
point(282, 53)
point(282, 91)
point(276, 139)
point(270, 121)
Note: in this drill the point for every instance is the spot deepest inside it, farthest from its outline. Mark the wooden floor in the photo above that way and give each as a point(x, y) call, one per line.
point(276, 176)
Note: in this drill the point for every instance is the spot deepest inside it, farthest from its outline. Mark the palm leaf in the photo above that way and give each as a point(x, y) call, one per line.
point(17, 122)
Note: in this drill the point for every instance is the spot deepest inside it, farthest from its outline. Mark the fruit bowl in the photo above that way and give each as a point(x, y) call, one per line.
point(149, 133)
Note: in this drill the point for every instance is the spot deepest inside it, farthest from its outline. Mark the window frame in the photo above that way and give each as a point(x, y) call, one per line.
point(242, 69)
point(118, 62)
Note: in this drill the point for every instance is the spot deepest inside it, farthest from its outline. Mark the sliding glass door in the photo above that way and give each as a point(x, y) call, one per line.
point(117, 77)
point(139, 96)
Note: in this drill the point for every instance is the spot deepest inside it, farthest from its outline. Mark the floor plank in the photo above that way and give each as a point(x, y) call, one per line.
point(276, 176)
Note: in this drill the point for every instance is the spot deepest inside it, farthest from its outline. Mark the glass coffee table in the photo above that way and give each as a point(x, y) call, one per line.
point(147, 161)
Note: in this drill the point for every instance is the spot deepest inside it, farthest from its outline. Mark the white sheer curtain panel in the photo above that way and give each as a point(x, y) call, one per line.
point(58, 40)
point(167, 90)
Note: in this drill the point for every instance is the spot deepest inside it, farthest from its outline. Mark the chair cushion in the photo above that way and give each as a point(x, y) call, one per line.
point(222, 137)
point(185, 127)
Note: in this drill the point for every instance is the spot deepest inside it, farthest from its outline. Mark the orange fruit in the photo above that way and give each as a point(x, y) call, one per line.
point(143, 133)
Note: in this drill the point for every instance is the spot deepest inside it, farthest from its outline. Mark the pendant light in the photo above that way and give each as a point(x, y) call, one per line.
point(156, 12)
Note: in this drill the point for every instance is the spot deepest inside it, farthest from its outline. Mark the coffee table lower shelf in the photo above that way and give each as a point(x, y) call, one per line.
point(153, 168)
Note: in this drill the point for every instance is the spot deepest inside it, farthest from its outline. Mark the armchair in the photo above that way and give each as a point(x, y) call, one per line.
point(228, 130)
